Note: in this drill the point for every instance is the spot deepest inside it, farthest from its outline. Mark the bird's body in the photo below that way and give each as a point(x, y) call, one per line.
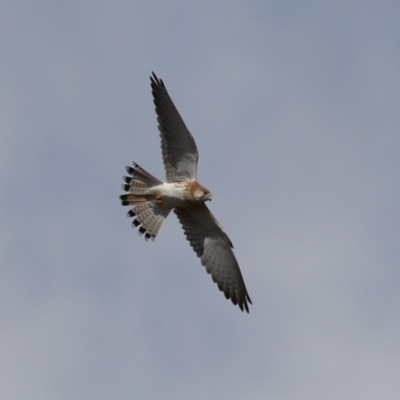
point(179, 194)
point(152, 200)
point(173, 194)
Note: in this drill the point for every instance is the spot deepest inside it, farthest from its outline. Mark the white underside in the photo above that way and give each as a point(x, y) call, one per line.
point(171, 194)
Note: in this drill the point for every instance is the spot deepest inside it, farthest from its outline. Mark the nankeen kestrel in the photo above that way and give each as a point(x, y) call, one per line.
point(153, 200)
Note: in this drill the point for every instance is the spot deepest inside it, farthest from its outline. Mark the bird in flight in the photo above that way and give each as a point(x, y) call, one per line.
point(152, 200)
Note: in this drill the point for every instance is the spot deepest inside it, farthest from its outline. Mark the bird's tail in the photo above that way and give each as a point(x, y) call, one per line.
point(149, 214)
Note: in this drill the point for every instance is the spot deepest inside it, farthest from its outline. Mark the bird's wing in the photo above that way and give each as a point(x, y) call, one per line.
point(179, 150)
point(214, 248)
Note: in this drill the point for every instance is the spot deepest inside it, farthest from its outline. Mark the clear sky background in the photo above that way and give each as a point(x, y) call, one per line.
point(295, 109)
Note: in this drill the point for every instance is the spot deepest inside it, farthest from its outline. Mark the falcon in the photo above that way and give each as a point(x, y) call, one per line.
point(152, 200)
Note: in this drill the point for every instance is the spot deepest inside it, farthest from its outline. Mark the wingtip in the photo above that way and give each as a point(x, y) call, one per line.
point(240, 301)
point(156, 81)
point(243, 304)
point(246, 306)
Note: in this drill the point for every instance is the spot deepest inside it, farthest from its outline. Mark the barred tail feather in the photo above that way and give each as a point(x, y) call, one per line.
point(148, 214)
point(149, 218)
point(137, 185)
point(132, 199)
point(138, 174)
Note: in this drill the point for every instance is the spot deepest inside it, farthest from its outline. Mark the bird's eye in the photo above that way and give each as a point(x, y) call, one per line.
point(201, 194)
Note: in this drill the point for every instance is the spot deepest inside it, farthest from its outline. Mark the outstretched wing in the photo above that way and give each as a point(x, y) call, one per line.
point(178, 147)
point(214, 248)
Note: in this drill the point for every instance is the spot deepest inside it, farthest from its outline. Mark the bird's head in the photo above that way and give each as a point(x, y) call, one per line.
point(202, 194)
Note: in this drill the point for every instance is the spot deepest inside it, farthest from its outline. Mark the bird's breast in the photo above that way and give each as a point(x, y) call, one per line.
point(173, 194)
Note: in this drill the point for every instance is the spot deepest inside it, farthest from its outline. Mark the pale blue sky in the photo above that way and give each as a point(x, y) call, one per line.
point(295, 109)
